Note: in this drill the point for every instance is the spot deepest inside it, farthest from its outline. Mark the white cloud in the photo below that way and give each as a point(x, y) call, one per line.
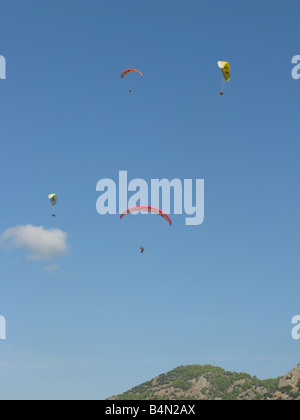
point(51, 268)
point(39, 242)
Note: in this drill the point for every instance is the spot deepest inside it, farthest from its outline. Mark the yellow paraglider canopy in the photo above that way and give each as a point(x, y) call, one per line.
point(53, 200)
point(225, 67)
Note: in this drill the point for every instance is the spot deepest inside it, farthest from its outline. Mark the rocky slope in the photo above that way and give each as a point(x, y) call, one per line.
point(214, 383)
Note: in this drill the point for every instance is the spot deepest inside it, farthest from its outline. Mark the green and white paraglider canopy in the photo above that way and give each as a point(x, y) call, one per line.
point(53, 199)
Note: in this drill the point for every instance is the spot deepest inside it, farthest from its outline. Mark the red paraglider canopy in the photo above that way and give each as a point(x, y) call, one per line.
point(129, 71)
point(147, 209)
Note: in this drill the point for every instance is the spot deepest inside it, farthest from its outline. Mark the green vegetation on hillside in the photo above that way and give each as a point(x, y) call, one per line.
point(209, 382)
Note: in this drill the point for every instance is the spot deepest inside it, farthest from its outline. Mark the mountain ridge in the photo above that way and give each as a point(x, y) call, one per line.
point(207, 382)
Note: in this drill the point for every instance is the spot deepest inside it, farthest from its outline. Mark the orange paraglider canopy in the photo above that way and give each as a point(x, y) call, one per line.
point(147, 209)
point(129, 71)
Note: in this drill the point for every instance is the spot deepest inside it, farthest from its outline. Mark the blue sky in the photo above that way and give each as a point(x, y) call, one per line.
point(102, 318)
